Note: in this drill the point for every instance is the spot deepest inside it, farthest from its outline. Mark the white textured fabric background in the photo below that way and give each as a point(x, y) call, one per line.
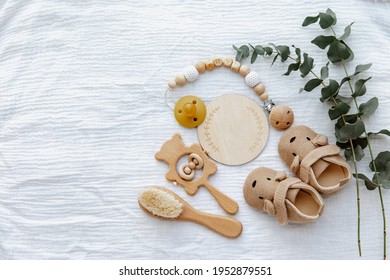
point(82, 114)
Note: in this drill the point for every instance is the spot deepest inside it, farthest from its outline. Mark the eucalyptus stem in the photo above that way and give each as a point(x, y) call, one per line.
point(354, 165)
point(371, 155)
point(373, 164)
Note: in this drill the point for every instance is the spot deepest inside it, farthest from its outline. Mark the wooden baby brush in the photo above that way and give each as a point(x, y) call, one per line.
point(162, 203)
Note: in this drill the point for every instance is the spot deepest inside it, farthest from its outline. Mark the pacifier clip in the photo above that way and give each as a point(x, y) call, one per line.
point(232, 129)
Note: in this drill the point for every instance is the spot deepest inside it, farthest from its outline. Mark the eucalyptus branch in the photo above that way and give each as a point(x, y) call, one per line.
point(354, 164)
point(350, 130)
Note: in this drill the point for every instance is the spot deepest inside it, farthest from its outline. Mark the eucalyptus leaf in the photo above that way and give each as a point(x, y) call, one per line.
point(323, 41)
point(307, 65)
point(326, 20)
point(369, 184)
point(273, 61)
point(325, 71)
point(369, 107)
point(298, 53)
point(253, 57)
point(284, 52)
point(330, 90)
point(310, 20)
point(351, 55)
point(344, 99)
point(382, 161)
point(361, 141)
point(348, 155)
point(352, 118)
point(338, 52)
point(382, 164)
point(268, 50)
point(292, 67)
point(238, 56)
point(312, 84)
point(340, 109)
point(383, 131)
point(259, 50)
point(383, 180)
point(360, 88)
point(351, 131)
point(361, 68)
point(244, 49)
point(332, 14)
point(347, 32)
point(359, 153)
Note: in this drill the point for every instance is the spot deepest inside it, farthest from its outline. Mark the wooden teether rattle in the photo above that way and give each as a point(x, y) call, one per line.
point(173, 150)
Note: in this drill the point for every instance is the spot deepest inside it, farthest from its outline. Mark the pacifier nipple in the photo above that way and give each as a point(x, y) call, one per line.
point(190, 111)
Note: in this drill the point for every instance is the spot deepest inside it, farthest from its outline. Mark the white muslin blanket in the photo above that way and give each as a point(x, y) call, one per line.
point(82, 115)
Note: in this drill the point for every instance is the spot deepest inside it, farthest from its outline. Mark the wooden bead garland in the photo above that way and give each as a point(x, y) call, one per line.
point(252, 79)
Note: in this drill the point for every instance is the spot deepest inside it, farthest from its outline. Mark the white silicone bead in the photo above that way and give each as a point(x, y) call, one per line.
point(252, 79)
point(191, 73)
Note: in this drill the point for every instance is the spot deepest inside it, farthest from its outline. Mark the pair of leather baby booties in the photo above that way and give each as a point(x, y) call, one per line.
point(320, 170)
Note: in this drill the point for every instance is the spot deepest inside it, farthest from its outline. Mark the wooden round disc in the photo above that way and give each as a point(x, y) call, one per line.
point(235, 129)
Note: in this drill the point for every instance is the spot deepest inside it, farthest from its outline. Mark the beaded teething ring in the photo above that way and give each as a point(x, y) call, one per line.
point(232, 129)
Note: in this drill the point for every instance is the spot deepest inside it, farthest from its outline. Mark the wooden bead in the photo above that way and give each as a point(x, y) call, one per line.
point(182, 173)
point(191, 165)
point(195, 158)
point(227, 62)
point(187, 170)
point(172, 84)
point(264, 97)
point(180, 80)
point(190, 73)
point(218, 61)
point(201, 67)
point(235, 66)
point(252, 79)
point(244, 70)
point(281, 117)
point(210, 65)
point(260, 89)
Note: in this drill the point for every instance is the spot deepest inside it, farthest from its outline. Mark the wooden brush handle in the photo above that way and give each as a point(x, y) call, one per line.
point(228, 204)
point(225, 226)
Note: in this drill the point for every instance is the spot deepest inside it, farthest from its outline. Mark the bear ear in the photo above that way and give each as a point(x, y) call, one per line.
point(280, 175)
point(320, 140)
point(295, 164)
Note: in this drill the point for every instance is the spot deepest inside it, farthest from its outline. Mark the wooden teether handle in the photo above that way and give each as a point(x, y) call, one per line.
point(225, 226)
point(228, 204)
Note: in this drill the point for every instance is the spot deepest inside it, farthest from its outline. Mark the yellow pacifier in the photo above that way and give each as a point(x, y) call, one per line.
point(190, 111)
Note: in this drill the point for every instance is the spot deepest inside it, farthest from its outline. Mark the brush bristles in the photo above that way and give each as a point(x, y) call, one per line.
point(160, 203)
